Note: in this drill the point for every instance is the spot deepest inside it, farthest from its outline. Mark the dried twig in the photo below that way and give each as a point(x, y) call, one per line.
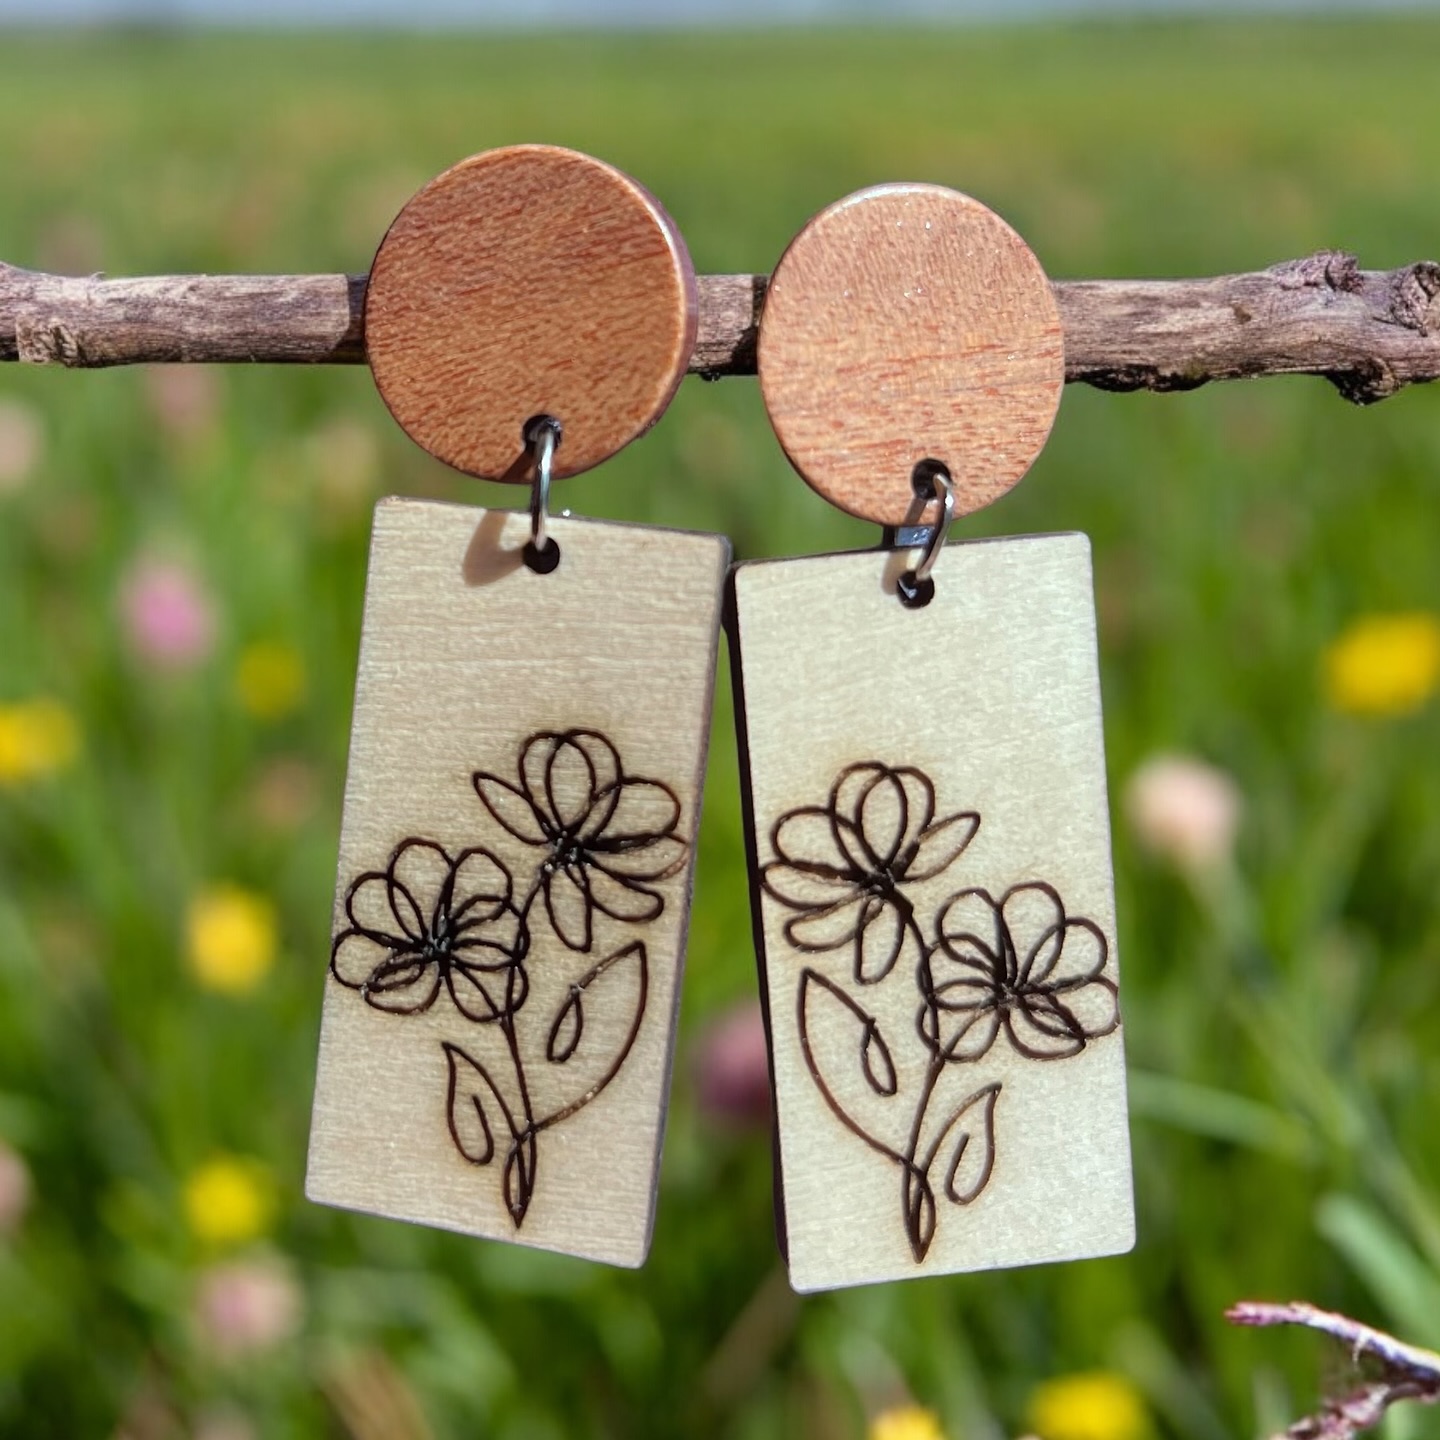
point(1369, 332)
point(1400, 1371)
point(373, 1398)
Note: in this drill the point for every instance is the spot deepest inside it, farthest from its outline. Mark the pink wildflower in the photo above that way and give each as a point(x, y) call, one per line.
point(245, 1307)
point(1183, 810)
point(732, 1069)
point(168, 616)
point(186, 399)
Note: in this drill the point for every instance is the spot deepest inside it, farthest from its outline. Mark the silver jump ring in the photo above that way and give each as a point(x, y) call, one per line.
point(936, 542)
point(546, 437)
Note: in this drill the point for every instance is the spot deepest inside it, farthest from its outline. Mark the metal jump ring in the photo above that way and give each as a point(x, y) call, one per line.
point(545, 437)
point(915, 588)
point(943, 483)
point(542, 554)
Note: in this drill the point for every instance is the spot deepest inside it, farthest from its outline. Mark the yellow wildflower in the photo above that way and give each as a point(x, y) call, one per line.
point(232, 939)
point(228, 1201)
point(1384, 664)
point(1098, 1405)
point(906, 1422)
point(37, 738)
point(270, 679)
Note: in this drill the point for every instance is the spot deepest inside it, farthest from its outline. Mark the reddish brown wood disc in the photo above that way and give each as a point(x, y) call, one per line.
point(523, 282)
point(909, 323)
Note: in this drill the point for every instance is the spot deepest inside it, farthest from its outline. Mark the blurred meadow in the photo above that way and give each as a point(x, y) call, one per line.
point(182, 561)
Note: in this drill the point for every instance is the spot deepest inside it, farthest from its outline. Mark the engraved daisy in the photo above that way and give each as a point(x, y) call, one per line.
point(842, 864)
point(430, 920)
point(609, 836)
point(1020, 963)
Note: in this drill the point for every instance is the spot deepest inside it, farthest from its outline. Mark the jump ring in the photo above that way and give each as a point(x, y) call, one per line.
point(545, 436)
point(943, 483)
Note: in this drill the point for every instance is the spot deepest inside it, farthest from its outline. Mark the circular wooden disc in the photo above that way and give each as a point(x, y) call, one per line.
point(522, 282)
point(909, 323)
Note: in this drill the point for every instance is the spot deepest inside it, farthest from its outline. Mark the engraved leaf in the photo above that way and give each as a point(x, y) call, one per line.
point(919, 1203)
point(469, 1088)
point(518, 1181)
point(620, 984)
point(606, 978)
point(569, 1026)
point(874, 1054)
point(875, 1060)
point(833, 1028)
point(969, 1134)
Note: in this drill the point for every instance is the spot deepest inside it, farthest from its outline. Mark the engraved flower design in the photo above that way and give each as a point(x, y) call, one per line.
point(437, 919)
point(431, 920)
point(1019, 963)
point(609, 835)
point(841, 865)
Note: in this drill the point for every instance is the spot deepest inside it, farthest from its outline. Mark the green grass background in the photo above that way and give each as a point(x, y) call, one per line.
point(1283, 1031)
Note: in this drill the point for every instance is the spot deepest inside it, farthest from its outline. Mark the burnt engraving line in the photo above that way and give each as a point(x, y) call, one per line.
point(434, 922)
point(813, 977)
point(917, 1192)
point(637, 949)
point(843, 868)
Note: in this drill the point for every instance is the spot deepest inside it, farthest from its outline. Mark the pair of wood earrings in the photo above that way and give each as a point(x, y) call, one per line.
point(920, 731)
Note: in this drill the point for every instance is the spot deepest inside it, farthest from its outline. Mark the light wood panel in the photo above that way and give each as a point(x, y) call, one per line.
point(934, 910)
point(908, 323)
point(529, 281)
point(514, 879)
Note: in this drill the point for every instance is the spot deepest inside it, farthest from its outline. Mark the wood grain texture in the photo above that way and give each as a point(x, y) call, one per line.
point(900, 763)
point(516, 859)
point(908, 323)
point(523, 282)
point(1369, 332)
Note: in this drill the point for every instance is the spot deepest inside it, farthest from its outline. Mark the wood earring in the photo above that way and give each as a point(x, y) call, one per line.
point(923, 760)
point(531, 719)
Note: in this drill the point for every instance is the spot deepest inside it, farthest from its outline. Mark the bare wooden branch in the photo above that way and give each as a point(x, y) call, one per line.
point(93, 322)
point(1400, 1371)
point(1369, 332)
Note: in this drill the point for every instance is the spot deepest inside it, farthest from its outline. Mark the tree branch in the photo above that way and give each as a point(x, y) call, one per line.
point(1369, 332)
point(1401, 1372)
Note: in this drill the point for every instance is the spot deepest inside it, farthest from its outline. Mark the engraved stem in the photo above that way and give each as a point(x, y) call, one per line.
point(910, 1172)
point(525, 1143)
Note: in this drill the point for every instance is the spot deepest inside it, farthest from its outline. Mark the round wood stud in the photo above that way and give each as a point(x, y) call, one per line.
point(524, 282)
point(909, 323)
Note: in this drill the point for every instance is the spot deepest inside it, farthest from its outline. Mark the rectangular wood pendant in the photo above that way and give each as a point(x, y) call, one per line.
point(516, 858)
point(934, 910)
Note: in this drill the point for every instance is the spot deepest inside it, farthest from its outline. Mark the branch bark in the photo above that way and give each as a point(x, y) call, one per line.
point(1369, 332)
point(1400, 1371)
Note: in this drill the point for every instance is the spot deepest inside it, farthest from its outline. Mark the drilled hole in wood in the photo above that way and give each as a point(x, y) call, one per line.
point(531, 430)
point(542, 559)
point(924, 475)
point(914, 594)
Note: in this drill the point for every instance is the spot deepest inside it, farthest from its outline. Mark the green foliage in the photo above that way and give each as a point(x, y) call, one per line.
point(1282, 1019)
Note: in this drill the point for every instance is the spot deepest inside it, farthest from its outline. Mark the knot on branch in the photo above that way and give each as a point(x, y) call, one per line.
point(48, 342)
point(1415, 287)
point(1366, 381)
point(1336, 270)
